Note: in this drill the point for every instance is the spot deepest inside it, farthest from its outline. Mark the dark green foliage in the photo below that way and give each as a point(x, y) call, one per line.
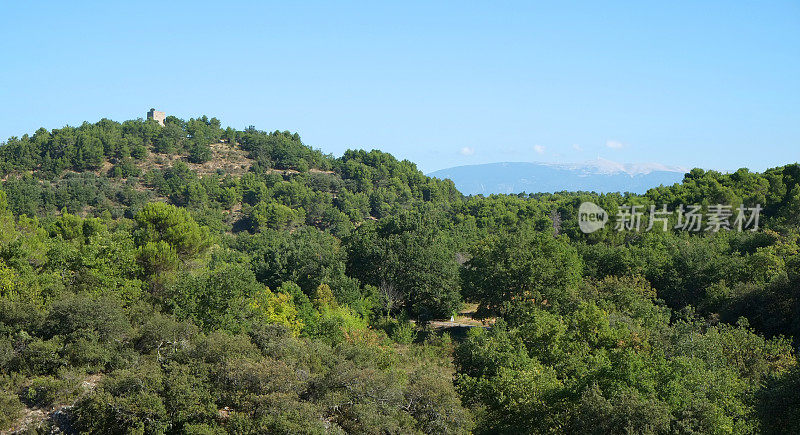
point(409, 255)
point(779, 404)
point(46, 391)
point(287, 385)
point(216, 298)
point(162, 222)
point(523, 269)
point(10, 409)
point(199, 153)
point(307, 257)
point(617, 369)
point(281, 150)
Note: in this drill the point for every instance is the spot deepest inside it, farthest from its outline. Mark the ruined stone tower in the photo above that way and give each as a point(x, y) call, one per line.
point(157, 116)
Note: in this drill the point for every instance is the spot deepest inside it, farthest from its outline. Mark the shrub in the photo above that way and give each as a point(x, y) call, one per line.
point(46, 391)
point(10, 409)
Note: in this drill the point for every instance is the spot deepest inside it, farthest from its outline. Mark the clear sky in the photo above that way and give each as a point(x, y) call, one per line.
point(690, 83)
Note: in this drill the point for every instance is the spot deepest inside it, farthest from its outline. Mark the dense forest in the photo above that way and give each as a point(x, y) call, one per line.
point(190, 278)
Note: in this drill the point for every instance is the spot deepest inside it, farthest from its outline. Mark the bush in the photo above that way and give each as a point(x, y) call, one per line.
point(46, 391)
point(10, 409)
point(199, 153)
point(403, 331)
point(43, 357)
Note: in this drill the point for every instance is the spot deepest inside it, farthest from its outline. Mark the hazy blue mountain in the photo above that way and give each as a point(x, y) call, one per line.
point(597, 175)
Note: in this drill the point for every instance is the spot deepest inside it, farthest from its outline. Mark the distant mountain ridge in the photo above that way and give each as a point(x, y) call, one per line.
point(599, 175)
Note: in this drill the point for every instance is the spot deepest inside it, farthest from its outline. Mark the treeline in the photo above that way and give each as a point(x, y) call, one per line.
point(170, 298)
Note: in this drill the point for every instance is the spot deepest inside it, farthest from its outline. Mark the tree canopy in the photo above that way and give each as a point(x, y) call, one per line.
point(190, 278)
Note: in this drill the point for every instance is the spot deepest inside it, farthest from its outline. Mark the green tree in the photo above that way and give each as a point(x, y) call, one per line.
point(163, 222)
point(275, 216)
point(521, 269)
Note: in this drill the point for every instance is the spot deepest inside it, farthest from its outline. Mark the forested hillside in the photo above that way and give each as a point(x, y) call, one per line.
point(195, 279)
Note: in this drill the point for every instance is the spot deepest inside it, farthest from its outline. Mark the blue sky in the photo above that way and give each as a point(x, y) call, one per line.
point(695, 83)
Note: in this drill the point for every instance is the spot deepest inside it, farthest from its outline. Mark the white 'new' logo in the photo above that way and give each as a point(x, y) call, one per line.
point(591, 217)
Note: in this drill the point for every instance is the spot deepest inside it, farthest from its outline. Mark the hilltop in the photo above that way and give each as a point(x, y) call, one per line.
point(117, 167)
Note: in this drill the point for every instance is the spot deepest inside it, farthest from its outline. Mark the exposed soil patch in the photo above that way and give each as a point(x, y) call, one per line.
point(54, 419)
point(225, 157)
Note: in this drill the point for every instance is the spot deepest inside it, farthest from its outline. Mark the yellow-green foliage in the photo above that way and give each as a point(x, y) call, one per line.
point(324, 297)
point(8, 282)
point(272, 308)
